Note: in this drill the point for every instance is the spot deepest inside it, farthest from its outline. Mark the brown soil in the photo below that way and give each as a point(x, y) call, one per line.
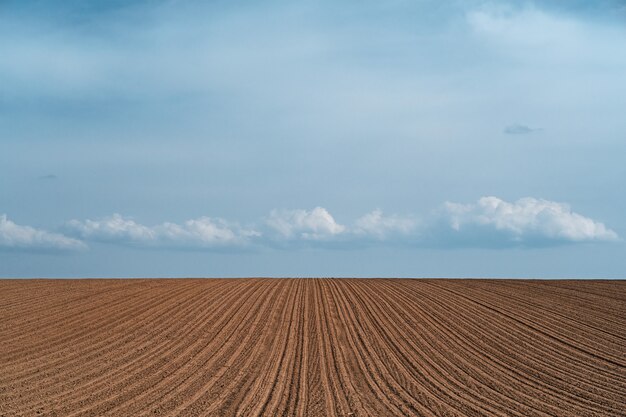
point(312, 347)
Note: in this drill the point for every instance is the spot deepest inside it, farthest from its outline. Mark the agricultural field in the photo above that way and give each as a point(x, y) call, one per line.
point(312, 347)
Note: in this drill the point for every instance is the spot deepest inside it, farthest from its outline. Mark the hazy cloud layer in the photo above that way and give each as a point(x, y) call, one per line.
point(204, 232)
point(17, 237)
point(234, 108)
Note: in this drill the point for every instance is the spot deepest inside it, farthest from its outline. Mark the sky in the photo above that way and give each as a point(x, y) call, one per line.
point(313, 138)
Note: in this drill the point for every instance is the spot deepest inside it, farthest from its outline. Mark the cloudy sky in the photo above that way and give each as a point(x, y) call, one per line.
point(313, 138)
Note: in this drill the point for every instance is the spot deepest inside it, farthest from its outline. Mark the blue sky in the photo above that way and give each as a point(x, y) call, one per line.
point(312, 138)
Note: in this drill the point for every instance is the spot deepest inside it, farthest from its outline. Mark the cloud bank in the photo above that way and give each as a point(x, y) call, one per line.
point(489, 222)
point(26, 238)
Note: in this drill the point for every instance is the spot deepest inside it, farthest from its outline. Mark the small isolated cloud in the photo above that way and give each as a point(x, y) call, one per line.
point(316, 224)
point(526, 222)
point(204, 232)
point(16, 237)
point(48, 177)
point(517, 129)
point(376, 225)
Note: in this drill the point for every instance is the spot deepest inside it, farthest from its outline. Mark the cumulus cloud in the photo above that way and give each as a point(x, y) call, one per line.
point(518, 129)
point(204, 232)
point(528, 221)
point(316, 224)
point(17, 237)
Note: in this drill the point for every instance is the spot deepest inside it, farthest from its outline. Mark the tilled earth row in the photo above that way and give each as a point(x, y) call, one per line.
point(312, 347)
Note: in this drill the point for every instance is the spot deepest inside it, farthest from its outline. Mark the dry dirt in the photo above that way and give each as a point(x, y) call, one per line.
point(312, 347)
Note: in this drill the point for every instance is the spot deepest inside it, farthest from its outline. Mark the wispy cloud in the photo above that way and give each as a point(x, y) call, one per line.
point(518, 129)
point(26, 238)
point(48, 177)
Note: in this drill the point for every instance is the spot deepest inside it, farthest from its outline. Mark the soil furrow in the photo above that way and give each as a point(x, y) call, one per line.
point(312, 348)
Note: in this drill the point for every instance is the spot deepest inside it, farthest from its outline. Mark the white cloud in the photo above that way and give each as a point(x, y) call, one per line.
point(202, 232)
point(490, 222)
point(16, 237)
point(379, 226)
point(527, 220)
point(317, 224)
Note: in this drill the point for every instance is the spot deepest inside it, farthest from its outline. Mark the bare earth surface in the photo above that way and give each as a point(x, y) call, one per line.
point(304, 347)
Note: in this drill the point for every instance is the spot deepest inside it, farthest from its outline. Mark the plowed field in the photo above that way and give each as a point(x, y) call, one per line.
point(312, 347)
